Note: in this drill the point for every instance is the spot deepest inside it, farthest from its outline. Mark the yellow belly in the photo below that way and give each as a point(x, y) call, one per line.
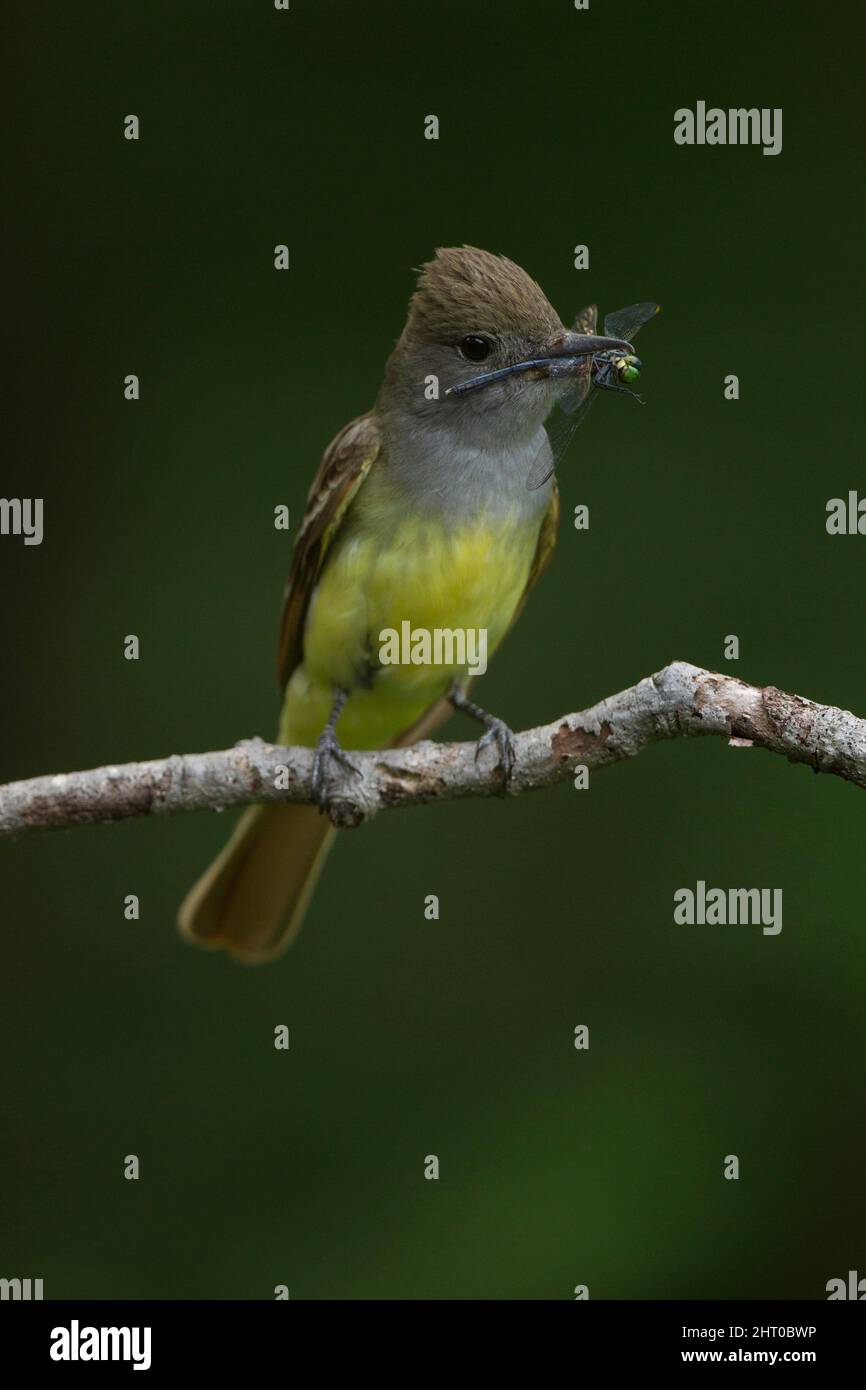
point(422, 574)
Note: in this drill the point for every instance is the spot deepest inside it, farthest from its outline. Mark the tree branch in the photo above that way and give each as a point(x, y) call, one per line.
point(680, 701)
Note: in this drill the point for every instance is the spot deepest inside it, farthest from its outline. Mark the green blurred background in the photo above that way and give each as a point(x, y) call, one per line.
point(707, 518)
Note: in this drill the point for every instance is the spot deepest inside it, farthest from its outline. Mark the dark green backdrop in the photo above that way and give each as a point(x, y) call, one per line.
point(707, 518)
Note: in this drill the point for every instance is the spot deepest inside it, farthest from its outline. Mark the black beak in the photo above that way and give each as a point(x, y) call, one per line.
point(569, 344)
point(560, 357)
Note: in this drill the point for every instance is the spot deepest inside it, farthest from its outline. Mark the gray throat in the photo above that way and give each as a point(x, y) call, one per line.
point(449, 475)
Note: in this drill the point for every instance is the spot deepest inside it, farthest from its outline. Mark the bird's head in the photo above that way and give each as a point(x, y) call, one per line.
point(483, 348)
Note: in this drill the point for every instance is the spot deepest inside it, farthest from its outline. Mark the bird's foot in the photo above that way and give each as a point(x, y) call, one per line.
point(328, 751)
point(499, 733)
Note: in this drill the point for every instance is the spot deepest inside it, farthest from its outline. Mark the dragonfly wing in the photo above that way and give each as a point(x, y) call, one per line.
point(624, 323)
point(578, 394)
point(560, 431)
point(586, 320)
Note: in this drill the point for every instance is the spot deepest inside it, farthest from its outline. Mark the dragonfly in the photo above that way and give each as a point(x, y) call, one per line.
point(609, 369)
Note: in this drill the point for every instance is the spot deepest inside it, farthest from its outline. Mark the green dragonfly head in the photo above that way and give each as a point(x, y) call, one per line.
point(628, 368)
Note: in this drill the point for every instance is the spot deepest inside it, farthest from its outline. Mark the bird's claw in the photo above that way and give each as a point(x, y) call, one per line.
point(499, 733)
point(328, 750)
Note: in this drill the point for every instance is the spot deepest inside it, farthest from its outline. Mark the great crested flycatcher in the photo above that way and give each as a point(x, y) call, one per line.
point(419, 513)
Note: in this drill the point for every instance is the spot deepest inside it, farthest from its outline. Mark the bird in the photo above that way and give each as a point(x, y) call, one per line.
point(419, 512)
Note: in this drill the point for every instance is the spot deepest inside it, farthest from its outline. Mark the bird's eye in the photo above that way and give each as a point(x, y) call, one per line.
point(475, 348)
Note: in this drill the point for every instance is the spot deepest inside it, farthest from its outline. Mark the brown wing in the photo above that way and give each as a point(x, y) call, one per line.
point(543, 550)
point(345, 464)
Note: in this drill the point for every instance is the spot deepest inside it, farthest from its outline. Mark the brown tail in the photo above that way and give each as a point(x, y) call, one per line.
point(253, 897)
